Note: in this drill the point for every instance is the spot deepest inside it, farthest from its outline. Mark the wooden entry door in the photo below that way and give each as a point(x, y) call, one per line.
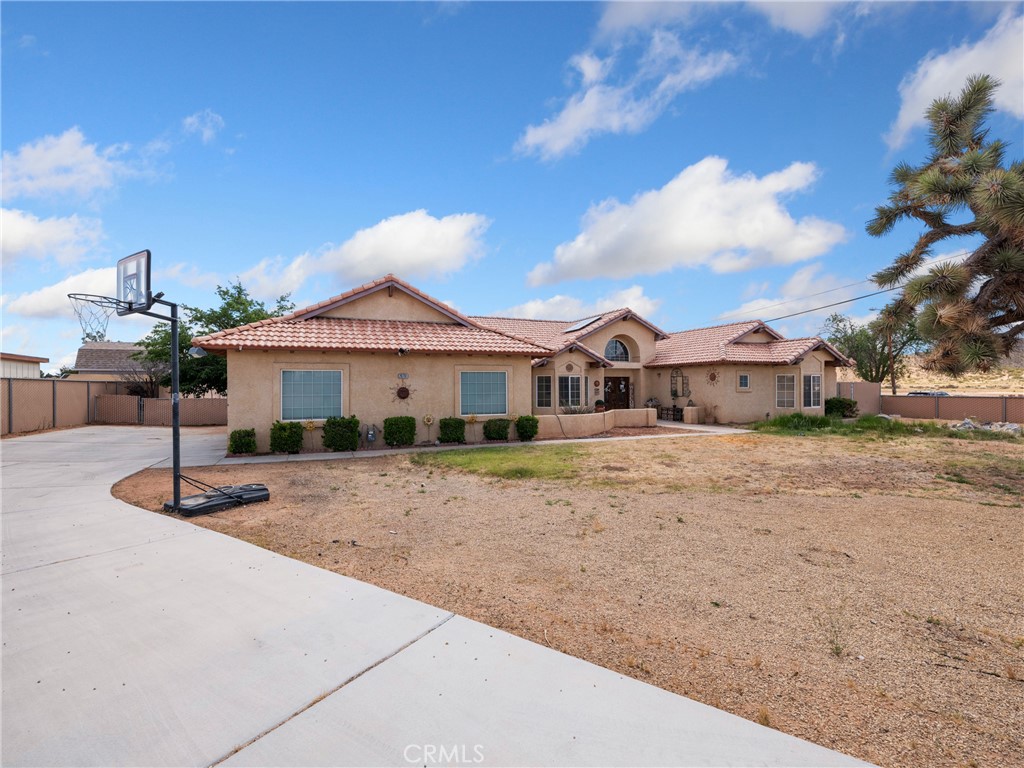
point(616, 392)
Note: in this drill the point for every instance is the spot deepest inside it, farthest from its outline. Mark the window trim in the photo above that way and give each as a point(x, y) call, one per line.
point(809, 378)
point(341, 392)
point(579, 390)
point(478, 413)
point(615, 358)
point(536, 392)
point(792, 392)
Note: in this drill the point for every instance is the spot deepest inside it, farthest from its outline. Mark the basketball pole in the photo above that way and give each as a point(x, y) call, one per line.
point(175, 381)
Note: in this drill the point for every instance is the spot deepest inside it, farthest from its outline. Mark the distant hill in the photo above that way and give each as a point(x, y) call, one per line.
point(1008, 379)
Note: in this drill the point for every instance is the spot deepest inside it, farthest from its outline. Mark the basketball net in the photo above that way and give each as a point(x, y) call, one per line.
point(93, 313)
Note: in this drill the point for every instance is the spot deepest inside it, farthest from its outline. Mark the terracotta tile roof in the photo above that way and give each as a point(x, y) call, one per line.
point(559, 334)
point(332, 333)
point(723, 344)
point(113, 356)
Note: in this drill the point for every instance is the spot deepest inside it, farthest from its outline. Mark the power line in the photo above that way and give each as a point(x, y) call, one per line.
point(845, 301)
point(836, 304)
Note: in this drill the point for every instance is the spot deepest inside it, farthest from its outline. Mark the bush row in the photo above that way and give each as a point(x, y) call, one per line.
point(342, 433)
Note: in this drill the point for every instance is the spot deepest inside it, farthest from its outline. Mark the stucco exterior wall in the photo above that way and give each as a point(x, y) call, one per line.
point(587, 424)
point(398, 306)
point(637, 338)
point(724, 402)
point(369, 387)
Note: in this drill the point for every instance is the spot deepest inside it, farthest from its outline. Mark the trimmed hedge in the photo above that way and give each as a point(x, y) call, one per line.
point(286, 437)
point(496, 429)
point(341, 434)
point(527, 427)
point(843, 407)
point(242, 441)
point(453, 430)
point(400, 430)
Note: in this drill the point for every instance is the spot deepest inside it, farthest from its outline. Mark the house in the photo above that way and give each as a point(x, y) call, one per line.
point(20, 366)
point(106, 360)
point(387, 349)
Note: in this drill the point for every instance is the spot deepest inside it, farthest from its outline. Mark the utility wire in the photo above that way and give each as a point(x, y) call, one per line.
point(832, 290)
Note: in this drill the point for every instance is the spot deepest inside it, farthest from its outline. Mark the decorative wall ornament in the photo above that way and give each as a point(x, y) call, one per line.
point(401, 391)
point(713, 376)
point(428, 419)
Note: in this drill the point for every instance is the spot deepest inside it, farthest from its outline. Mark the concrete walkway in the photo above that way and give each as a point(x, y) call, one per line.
point(134, 639)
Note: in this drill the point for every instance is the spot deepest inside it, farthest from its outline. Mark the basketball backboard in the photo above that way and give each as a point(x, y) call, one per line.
point(133, 288)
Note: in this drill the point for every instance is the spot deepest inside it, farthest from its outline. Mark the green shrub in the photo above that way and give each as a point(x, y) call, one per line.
point(843, 407)
point(496, 429)
point(242, 441)
point(286, 437)
point(341, 434)
point(399, 430)
point(526, 427)
point(453, 430)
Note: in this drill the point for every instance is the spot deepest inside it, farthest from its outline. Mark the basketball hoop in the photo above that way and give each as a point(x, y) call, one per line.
point(93, 313)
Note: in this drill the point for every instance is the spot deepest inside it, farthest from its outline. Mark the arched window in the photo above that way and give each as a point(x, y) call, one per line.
point(616, 351)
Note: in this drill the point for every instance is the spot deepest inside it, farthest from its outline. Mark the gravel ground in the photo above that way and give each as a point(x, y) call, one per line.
point(864, 595)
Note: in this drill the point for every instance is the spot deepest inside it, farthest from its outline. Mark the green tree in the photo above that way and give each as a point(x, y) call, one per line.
point(972, 312)
point(197, 376)
point(869, 345)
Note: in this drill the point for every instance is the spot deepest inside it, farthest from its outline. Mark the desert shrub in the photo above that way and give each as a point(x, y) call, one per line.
point(575, 410)
point(286, 437)
point(526, 427)
point(400, 430)
point(242, 441)
point(843, 407)
point(496, 429)
point(453, 430)
point(341, 433)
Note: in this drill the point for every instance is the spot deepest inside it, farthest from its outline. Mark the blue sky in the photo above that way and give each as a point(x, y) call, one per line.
point(699, 162)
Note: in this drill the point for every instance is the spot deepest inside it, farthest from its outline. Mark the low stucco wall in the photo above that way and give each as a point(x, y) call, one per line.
point(587, 424)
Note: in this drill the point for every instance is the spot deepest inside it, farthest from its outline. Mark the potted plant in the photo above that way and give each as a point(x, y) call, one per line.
point(599, 406)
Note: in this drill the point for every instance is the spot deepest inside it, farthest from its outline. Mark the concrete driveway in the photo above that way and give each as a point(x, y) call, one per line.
point(134, 639)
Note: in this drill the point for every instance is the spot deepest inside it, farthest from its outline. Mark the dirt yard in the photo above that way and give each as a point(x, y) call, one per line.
point(865, 595)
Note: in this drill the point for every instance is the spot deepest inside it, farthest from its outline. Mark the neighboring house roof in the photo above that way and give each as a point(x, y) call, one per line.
point(567, 335)
point(113, 356)
point(23, 358)
point(724, 344)
point(307, 329)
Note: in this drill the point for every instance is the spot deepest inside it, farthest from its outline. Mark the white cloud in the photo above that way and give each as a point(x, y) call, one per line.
point(806, 289)
point(60, 165)
point(705, 216)
point(186, 274)
point(665, 70)
point(411, 245)
point(65, 239)
point(561, 307)
point(619, 17)
point(206, 123)
point(53, 301)
point(803, 18)
point(999, 53)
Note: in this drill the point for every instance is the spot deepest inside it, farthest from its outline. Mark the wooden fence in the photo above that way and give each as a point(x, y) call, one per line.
point(30, 405)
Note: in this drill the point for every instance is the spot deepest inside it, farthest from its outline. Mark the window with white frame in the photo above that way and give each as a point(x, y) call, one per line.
point(785, 391)
point(568, 391)
point(484, 393)
point(812, 391)
point(616, 351)
point(543, 391)
point(309, 395)
point(743, 381)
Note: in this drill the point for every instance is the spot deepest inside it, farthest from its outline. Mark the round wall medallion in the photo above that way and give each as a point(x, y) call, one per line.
point(570, 368)
point(712, 377)
point(402, 393)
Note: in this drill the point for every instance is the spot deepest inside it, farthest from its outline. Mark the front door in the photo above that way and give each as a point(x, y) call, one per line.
point(616, 392)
